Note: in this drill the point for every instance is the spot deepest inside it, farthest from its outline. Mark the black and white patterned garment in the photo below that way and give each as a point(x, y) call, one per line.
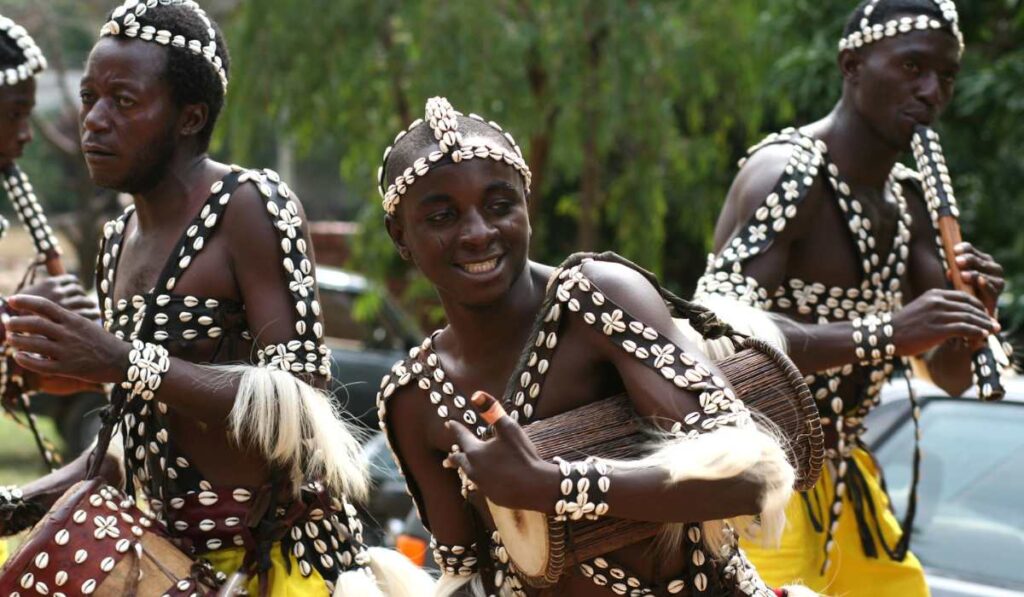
point(573, 294)
point(321, 531)
point(880, 290)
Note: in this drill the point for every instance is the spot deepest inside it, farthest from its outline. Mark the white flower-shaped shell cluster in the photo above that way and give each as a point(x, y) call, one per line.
point(124, 21)
point(869, 33)
point(443, 121)
point(34, 62)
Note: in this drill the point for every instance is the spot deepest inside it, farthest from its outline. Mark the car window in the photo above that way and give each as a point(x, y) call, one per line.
point(343, 331)
point(970, 518)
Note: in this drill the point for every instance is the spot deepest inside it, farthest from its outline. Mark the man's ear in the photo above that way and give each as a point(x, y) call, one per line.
point(193, 119)
point(397, 234)
point(850, 63)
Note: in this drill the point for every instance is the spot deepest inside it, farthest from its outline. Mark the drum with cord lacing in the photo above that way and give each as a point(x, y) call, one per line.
point(764, 378)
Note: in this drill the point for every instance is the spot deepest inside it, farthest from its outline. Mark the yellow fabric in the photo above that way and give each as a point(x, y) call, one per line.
point(3, 552)
point(282, 584)
point(851, 573)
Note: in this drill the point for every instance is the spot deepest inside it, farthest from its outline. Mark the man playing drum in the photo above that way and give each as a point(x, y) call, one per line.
point(826, 230)
point(216, 354)
point(455, 193)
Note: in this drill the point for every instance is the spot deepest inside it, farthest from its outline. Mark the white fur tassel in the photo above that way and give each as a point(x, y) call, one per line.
point(296, 426)
point(799, 591)
point(743, 318)
point(725, 453)
point(357, 583)
point(396, 575)
point(450, 585)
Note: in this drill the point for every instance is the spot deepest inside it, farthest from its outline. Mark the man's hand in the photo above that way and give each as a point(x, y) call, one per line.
point(938, 315)
point(507, 468)
point(66, 291)
point(52, 340)
point(981, 272)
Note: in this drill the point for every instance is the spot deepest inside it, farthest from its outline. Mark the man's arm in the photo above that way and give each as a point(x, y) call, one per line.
point(710, 463)
point(949, 363)
point(270, 407)
point(441, 504)
point(930, 320)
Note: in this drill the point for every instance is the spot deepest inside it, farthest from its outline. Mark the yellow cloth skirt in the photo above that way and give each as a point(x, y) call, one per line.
point(282, 584)
point(851, 573)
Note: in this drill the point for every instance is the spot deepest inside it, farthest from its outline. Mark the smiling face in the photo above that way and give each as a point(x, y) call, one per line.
point(466, 227)
point(902, 81)
point(16, 104)
point(128, 121)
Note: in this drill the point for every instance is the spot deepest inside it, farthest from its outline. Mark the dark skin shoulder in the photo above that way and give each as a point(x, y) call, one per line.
point(585, 368)
point(199, 397)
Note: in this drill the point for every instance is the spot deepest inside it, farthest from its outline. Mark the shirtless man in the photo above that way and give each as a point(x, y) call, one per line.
point(827, 231)
point(212, 331)
point(455, 191)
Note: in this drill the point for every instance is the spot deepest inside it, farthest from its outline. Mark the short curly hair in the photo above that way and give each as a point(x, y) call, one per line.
point(191, 77)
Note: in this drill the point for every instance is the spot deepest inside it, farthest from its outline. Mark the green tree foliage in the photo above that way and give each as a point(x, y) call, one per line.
point(631, 114)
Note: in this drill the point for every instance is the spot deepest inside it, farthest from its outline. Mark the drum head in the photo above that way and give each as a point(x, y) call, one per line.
point(527, 538)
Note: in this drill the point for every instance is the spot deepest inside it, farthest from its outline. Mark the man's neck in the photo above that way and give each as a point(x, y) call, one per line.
point(167, 202)
point(862, 156)
point(497, 328)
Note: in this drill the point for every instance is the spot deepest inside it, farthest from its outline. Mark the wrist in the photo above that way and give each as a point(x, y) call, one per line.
point(874, 338)
point(147, 364)
point(582, 490)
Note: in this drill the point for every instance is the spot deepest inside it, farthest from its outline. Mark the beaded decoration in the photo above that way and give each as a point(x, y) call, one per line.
point(880, 292)
point(456, 560)
point(869, 33)
point(149, 362)
point(16, 513)
point(323, 532)
point(19, 190)
point(583, 489)
point(572, 292)
point(443, 120)
point(124, 22)
point(938, 192)
point(873, 336)
point(34, 62)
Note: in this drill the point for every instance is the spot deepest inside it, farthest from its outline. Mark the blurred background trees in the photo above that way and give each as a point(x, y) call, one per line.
point(631, 113)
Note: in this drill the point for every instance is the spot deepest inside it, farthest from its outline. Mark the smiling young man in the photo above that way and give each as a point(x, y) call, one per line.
point(826, 230)
point(455, 192)
point(212, 331)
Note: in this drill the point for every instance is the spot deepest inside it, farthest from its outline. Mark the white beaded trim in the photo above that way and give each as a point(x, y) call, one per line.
point(29, 211)
point(579, 482)
point(124, 21)
point(869, 33)
point(149, 363)
point(34, 63)
point(873, 337)
point(443, 121)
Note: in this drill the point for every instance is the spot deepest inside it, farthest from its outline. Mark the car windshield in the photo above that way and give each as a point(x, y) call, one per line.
point(970, 517)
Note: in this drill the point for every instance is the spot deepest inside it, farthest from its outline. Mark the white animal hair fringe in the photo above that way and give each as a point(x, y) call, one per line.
point(799, 591)
point(296, 426)
point(751, 451)
point(743, 318)
point(393, 575)
point(450, 584)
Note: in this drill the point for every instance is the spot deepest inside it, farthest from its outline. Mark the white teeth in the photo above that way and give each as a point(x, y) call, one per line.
point(481, 267)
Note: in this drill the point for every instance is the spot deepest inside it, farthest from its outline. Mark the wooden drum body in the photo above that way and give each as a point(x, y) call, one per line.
point(95, 542)
point(763, 378)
